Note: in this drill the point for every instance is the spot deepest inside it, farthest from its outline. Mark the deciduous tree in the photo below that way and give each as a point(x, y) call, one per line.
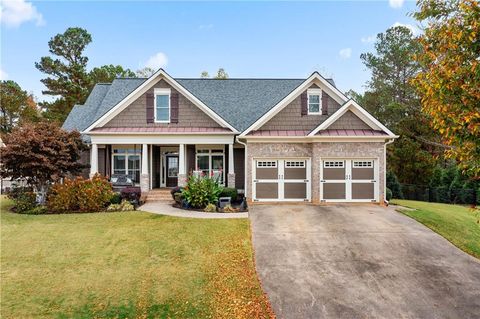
point(16, 106)
point(41, 153)
point(450, 82)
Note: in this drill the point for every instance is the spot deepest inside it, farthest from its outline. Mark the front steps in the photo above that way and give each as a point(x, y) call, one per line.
point(159, 195)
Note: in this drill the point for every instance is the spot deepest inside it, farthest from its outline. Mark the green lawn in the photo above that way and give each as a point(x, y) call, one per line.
point(127, 265)
point(456, 223)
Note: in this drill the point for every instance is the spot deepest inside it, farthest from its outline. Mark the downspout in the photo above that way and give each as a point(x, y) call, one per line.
point(245, 164)
point(385, 170)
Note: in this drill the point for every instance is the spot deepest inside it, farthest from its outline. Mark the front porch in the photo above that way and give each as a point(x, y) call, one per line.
point(167, 165)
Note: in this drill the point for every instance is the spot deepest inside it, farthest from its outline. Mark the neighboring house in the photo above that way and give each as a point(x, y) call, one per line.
point(276, 139)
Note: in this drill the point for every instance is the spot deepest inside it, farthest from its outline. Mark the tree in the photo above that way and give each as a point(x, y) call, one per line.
point(41, 153)
point(392, 99)
point(450, 82)
point(107, 73)
point(16, 106)
point(146, 72)
point(67, 75)
point(221, 74)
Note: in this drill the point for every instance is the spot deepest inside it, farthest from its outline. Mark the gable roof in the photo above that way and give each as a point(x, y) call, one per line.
point(239, 102)
point(356, 109)
point(315, 78)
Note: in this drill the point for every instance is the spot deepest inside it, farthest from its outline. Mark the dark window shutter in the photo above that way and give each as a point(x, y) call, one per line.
point(304, 100)
point(150, 112)
point(324, 103)
point(174, 108)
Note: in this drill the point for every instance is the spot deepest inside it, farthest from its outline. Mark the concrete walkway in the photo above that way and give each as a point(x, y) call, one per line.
point(348, 261)
point(162, 208)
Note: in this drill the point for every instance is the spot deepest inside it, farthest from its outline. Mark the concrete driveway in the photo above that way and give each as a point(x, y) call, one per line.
point(360, 262)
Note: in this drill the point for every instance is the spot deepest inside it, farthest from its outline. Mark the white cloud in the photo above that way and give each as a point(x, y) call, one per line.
point(368, 39)
point(3, 75)
point(412, 28)
point(15, 12)
point(157, 61)
point(345, 53)
point(205, 26)
point(396, 3)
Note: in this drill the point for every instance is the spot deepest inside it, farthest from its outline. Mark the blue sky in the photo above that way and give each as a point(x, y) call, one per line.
point(248, 39)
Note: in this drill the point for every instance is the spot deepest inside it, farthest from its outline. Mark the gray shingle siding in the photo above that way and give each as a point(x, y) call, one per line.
point(135, 114)
point(290, 118)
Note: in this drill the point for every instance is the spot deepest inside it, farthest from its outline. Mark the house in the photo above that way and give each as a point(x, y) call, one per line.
point(275, 139)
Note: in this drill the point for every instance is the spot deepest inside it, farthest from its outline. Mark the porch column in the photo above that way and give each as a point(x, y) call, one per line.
point(182, 176)
point(231, 167)
point(93, 160)
point(144, 177)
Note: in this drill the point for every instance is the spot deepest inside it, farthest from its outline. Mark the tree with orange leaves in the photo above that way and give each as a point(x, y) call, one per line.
point(450, 84)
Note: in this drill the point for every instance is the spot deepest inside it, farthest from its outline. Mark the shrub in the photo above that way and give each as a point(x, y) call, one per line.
point(211, 208)
point(24, 201)
point(37, 210)
point(201, 191)
point(230, 209)
point(175, 191)
point(116, 198)
point(394, 185)
point(178, 198)
point(80, 195)
point(229, 192)
point(124, 206)
point(388, 194)
point(132, 194)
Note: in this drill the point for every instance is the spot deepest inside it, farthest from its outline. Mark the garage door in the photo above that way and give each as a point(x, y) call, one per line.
point(281, 180)
point(349, 180)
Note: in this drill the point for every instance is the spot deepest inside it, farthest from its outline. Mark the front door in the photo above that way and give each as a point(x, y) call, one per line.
point(172, 170)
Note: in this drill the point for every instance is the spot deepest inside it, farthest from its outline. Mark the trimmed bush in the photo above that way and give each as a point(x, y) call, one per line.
point(124, 206)
point(201, 191)
point(175, 191)
point(394, 185)
point(37, 210)
point(388, 194)
point(132, 194)
point(80, 195)
point(116, 198)
point(24, 201)
point(229, 192)
point(211, 208)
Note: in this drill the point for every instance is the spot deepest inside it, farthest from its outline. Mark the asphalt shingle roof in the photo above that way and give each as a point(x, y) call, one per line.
point(240, 102)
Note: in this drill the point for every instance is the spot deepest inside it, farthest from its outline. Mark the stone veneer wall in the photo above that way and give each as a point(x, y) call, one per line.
point(316, 151)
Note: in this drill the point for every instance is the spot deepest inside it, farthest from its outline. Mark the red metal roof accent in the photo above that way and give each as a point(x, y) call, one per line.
point(279, 133)
point(351, 133)
point(170, 130)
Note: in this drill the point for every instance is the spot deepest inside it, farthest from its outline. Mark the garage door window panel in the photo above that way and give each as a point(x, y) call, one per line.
point(295, 170)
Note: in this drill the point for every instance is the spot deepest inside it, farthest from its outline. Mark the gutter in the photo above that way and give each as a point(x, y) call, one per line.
point(245, 165)
point(385, 170)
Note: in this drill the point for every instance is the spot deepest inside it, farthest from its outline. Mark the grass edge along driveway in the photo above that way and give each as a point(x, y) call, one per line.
point(127, 265)
point(458, 224)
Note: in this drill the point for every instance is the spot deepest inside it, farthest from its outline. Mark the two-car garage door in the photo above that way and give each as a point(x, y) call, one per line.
point(341, 180)
point(281, 180)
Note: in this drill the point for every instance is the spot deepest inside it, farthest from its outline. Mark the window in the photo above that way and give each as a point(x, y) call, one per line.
point(314, 101)
point(127, 161)
point(162, 105)
point(362, 164)
point(266, 164)
point(333, 164)
point(211, 163)
point(295, 164)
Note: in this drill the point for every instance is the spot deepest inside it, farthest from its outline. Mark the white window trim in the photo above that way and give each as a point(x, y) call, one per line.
point(314, 92)
point(138, 152)
point(267, 164)
point(209, 154)
point(161, 91)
